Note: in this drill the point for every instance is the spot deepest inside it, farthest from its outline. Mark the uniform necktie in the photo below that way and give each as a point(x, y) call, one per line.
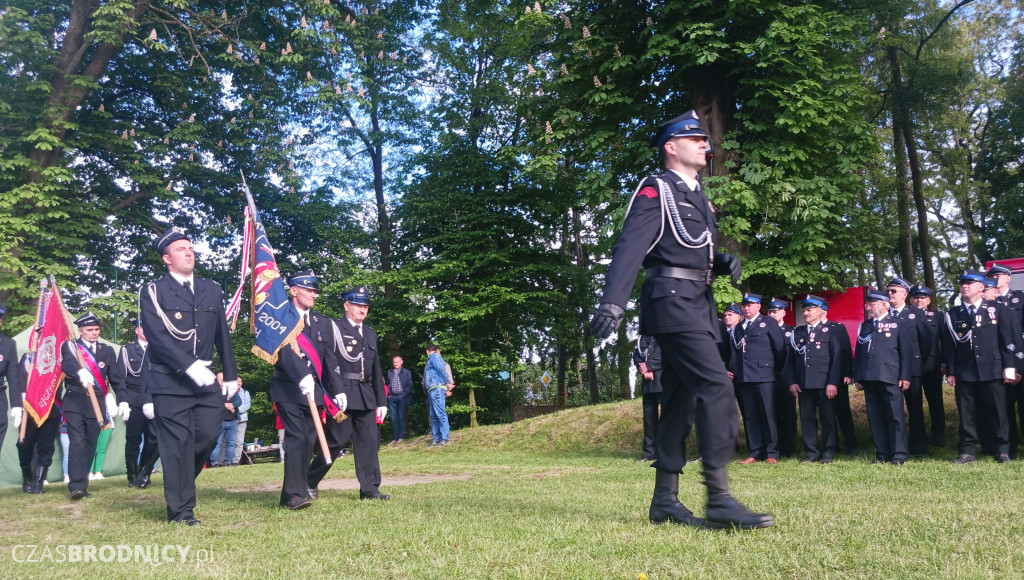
point(359, 327)
point(876, 325)
point(970, 310)
point(305, 322)
point(188, 286)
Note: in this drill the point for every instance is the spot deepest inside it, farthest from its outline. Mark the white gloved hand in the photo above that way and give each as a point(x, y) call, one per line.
point(306, 385)
point(381, 413)
point(341, 401)
point(85, 378)
point(111, 404)
point(201, 374)
point(125, 411)
point(147, 410)
point(229, 389)
point(16, 413)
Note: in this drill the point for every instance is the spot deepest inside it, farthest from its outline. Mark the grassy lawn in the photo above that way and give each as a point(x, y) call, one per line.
point(554, 497)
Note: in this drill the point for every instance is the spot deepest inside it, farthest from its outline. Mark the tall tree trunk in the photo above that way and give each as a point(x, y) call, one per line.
point(563, 388)
point(924, 237)
point(376, 149)
point(907, 265)
point(624, 358)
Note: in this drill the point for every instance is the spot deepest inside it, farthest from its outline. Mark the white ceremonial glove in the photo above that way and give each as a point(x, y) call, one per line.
point(229, 389)
point(16, 413)
point(381, 413)
point(1009, 374)
point(125, 411)
point(85, 377)
point(201, 374)
point(111, 404)
point(341, 401)
point(306, 385)
point(147, 410)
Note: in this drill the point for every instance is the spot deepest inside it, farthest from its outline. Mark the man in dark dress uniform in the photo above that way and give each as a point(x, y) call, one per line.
point(882, 368)
point(980, 353)
point(184, 320)
point(647, 358)
point(670, 229)
point(921, 340)
point(814, 372)
point(295, 376)
point(1014, 301)
point(86, 364)
point(358, 381)
point(785, 402)
point(844, 415)
point(12, 380)
point(931, 383)
point(759, 355)
point(139, 428)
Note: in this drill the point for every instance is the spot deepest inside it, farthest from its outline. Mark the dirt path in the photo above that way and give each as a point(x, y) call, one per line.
point(341, 484)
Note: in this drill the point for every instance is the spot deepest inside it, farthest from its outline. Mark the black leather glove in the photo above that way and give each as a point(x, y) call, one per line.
point(606, 320)
point(727, 264)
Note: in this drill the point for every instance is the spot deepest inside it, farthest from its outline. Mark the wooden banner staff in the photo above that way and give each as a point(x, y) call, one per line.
point(33, 338)
point(319, 429)
point(100, 417)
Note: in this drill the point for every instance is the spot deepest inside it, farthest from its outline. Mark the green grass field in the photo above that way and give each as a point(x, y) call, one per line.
point(558, 496)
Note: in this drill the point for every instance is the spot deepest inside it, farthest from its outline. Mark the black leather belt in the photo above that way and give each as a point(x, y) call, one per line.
point(162, 369)
point(355, 377)
point(706, 276)
point(76, 389)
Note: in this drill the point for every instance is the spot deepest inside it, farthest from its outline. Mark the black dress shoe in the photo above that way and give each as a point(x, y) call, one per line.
point(142, 481)
point(1003, 458)
point(189, 521)
point(724, 512)
point(374, 495)
point(313, 493)
point(827, 460)
point(79, 494)
point(898, 461)
point(297, 503)
point(964, 459)
point(665, 505)
point(644, 458)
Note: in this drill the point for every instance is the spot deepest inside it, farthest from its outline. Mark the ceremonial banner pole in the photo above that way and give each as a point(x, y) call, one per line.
point(33, 337)
point(319, 430)
point(73, 330)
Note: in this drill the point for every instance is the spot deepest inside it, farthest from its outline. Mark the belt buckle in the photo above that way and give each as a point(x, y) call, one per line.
point(709, 277)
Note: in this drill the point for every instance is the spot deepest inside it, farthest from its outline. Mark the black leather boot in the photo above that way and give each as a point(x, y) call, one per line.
point(145, 472)
point(723, 509)
point(26, 478)
point(39, 476)
point(132, 471)
point(665, 505)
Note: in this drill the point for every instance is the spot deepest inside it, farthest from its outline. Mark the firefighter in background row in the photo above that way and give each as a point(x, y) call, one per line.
point(1014, 301)
point(931, 365)
point(785, 401)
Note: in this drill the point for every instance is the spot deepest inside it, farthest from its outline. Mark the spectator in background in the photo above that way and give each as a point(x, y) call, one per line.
point(401, 389)
point(439, 386)
point(224, 451)
point(243, 419)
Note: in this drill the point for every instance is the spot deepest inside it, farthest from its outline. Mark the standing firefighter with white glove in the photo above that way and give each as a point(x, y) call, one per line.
point(356, 376)
point(86, 364)
point(184, 320)
point(132, 400)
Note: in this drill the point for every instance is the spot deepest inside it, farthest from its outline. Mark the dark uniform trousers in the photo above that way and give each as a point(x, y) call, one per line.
point(651, 403)
point(40, 442)
point(299, 441)
point(884, 402)
point(917, 433)
point(979, 403)
point(694, 378)
point(361, 428)
point(785, 410)
point(140, 431)
point(931, 386)
point(814, 402)
point(844, 417)
point(757, 400)
point(187, 427)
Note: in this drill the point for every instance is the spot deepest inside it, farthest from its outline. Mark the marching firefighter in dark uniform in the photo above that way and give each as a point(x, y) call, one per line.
point(183, 316)
point(647, 358)
point(295, 376)
point(882, 369)
point(931, 365)
point(358, 383)
point(814, 373)
point(86, 364)
point(785, 401)
point(759, 355)
point(981, 353)
point(670, 229)
point(12, 380)
point(921, 340)
point(1014, 301)
point(139, 429)
point(35, 453)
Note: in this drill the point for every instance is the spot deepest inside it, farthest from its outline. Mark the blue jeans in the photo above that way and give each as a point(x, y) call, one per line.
point(224, 452)
point(436, 398)
point(397, 406)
